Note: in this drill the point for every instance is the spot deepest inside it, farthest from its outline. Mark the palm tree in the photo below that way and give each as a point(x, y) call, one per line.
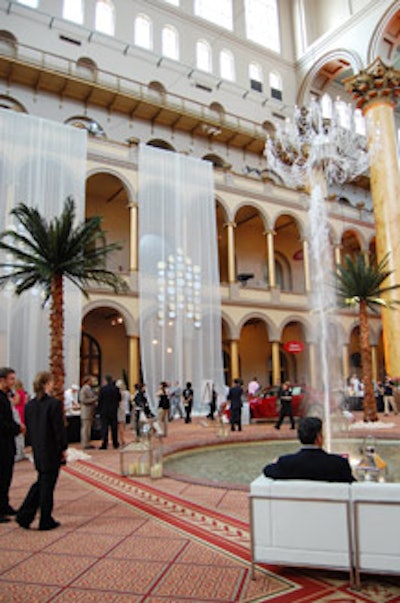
point(44, 253)
point(359, 283)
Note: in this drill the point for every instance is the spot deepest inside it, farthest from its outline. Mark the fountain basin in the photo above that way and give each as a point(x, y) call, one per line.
point(237, 464)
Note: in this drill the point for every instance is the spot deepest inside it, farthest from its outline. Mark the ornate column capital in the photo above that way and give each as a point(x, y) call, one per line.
point(271, 231)
point(230, 224)
point(377, 83)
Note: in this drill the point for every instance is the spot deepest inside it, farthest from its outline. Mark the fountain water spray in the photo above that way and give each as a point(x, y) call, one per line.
point(324, 143)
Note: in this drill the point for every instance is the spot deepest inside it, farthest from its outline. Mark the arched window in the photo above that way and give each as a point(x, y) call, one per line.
point(8, 43)
point(143, 32)
point(275, 84)
point(30, 3)
point(203, 56)
point(7, 102)
point(262, 23)
point(86, 68)
point(219, 12)
point(73, 11)
point(256, 76)
point(105, 17)
point(227, 65)
point(86, 123)
point(170, 42)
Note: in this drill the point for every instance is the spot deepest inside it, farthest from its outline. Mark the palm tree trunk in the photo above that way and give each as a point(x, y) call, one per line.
point(369, 404)
point(56, 360)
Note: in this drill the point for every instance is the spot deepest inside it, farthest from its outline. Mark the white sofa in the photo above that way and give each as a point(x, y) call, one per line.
point(376, 512)
point(301, 523)
point(321, 524)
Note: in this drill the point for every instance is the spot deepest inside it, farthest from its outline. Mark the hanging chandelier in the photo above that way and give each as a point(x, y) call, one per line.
point(327, 135)
point(178, 290)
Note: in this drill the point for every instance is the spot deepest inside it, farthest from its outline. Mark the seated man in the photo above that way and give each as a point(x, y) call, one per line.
point(311, 461)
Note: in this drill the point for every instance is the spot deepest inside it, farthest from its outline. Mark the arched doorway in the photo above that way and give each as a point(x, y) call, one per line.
point(255, 351)
point(105, 347)
point(293, 366)
point(350, 244)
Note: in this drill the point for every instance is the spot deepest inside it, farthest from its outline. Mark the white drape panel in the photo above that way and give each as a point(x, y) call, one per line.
point(41, 163)
point(180, 305)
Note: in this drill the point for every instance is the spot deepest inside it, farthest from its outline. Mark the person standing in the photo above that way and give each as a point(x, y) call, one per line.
point(87, 400)
point(9, 429)
point(388, 397)
point(48, 436)
point(163, 406)
point(188, 401)
point(175, 398)
point(253, 387)
point(109, 399)
point(212, 404)
point(18, 402)
point(123, 410)
point(285, 396)
point(235, 399)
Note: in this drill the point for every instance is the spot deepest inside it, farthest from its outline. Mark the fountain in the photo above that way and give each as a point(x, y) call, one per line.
point(324, 143)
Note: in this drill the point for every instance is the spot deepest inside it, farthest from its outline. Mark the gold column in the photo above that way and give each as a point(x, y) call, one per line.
point(230, 226)
point(306, 264)
point(376, 89)
point(312, 365)
point(345, 361)
point(133, 252)
point(276, 364)
point(374, 362)
point(134, 361)
point(338, 255)
point(271, 258)
point(234, 345)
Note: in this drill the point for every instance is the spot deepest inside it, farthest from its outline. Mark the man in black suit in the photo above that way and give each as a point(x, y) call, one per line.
point(311, 462)
point(109, 399)
point(8, 430)
point(235, 399)
point(48, 436)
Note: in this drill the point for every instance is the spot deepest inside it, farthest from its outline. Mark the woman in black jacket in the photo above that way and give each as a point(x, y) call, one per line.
point(47, 434)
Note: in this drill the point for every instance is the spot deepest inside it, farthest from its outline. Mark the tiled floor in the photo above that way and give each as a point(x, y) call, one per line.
point(156, 541)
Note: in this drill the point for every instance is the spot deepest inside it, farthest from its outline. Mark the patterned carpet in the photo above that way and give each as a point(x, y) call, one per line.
point(136, 541)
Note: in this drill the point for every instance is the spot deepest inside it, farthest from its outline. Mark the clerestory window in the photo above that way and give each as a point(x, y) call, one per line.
point(73, 10)
point(218, 12)
point(105, 17)
point(262, 23)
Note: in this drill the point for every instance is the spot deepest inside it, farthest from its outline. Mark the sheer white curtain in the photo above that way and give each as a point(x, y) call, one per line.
point(180, 305)
point(41, 163)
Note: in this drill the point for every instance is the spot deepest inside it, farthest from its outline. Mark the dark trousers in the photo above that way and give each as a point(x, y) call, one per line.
point(213, 408)
point(6, 473)
point(40, 496)
point(236, 419)
point(109, 421)
point(286, 410)
point(188, 411)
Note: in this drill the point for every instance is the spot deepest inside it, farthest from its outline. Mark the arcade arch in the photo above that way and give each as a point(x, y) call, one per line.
point(105, 346)
point(250, 245)
point(107, 196)
point(289, 258)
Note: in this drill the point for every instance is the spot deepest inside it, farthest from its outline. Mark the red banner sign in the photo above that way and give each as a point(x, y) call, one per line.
point(294, 347)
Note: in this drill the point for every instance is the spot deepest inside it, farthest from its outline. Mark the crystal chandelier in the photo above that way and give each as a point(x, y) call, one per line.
point(327, 135)
point(178, 290)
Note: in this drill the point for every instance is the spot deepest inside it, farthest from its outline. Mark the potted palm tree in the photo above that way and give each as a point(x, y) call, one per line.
point(44, 253)
point(360, 284)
